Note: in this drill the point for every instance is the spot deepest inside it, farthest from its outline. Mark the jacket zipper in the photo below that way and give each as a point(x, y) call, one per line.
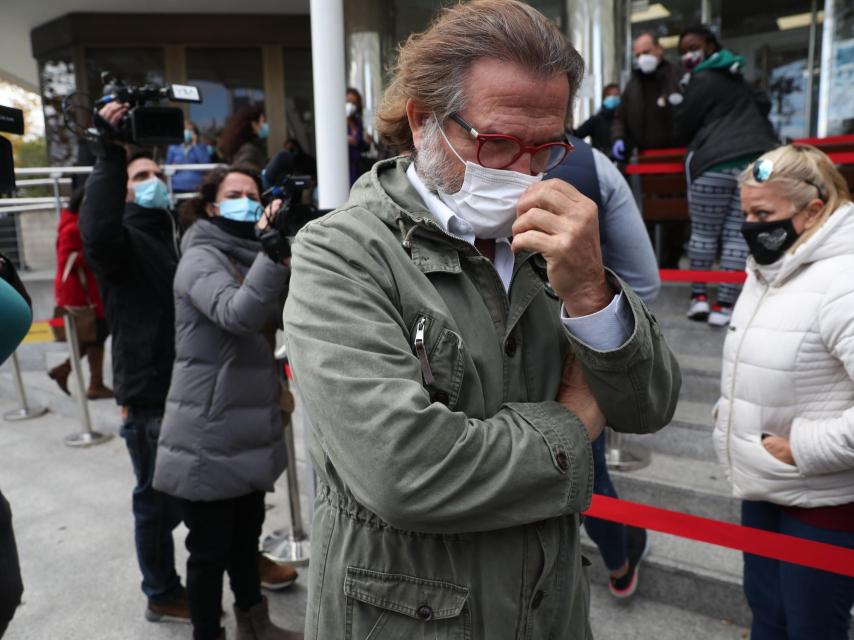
point(421, 350)
point(732, 382)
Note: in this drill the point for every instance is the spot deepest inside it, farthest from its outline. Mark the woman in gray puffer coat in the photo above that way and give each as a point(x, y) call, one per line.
point(221, 444)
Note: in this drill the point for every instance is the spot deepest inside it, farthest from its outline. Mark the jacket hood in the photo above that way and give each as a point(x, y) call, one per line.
point(204, 232)
point(724, 60)
point(834, 238)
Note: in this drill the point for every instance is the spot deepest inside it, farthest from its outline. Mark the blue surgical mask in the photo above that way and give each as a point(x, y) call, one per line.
point(611, 102)
point(188, 136)
point(210, 149)
point(240, 209)
point(264, 131)
point(151, 194)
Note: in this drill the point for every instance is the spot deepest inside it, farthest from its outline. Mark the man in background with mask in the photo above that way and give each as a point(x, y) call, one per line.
point(458, 345)
point(129, 238)
point(644, 117)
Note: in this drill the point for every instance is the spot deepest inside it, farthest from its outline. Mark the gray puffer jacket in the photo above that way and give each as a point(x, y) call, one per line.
point(222, 434)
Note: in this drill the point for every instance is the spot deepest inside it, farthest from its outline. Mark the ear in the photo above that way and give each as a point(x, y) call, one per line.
point(210, 209)
point(812, 213)
point(417, 116)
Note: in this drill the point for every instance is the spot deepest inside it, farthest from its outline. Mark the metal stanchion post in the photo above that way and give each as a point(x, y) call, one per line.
point(87, 437)
point(26, 412)
point(290, 546)
point(619, 457)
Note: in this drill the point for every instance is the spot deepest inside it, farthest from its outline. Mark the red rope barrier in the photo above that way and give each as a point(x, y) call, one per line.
point(778, 546)
point(687, 275)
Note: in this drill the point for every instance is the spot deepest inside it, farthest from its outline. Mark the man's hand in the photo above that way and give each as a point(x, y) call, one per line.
point(779, 448)
point(575, 395)
point(113, 112)
point(557, 221)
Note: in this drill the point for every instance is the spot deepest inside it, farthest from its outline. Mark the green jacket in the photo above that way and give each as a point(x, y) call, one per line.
point(447, 510)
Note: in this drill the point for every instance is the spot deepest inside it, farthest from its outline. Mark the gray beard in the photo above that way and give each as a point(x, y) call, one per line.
point(437, 167)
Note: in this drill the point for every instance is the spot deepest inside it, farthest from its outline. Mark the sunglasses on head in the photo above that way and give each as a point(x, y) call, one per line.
point(764, 168)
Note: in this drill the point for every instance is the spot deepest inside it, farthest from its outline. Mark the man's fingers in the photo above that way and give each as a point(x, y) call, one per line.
point(533, 240)
point(540, 220)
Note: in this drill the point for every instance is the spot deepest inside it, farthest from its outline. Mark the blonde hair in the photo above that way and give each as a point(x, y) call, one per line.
point(432, 66)
point(800, 168)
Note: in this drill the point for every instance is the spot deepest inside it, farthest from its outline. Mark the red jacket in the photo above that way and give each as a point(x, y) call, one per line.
point(70, 293)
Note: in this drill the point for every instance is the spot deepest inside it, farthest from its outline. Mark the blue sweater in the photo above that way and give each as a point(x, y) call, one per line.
point(183, 154)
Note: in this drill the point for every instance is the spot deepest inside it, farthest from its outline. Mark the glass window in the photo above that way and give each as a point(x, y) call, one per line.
point(131, 66)
point(774, 40)
point(665, 20)
point(56, 76)
point(839, 78)
point(228, 79)
point(299, 98)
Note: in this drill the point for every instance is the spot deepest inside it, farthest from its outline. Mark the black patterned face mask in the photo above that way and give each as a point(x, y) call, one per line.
point(768, 241)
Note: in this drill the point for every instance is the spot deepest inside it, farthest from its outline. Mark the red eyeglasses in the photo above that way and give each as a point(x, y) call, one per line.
point(499, 151)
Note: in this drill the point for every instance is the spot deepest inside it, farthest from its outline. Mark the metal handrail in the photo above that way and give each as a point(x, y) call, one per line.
point(168, 169)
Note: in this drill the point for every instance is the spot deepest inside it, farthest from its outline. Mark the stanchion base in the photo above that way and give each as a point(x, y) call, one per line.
point(87, 439)
point(625, 459)
point(25, 414)
point(281, 546)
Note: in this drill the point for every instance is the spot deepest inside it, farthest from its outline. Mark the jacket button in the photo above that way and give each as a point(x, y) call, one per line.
point(562, 462)
point(538, 599)
point(441, 396)
point(510, 347)
point(425, 612)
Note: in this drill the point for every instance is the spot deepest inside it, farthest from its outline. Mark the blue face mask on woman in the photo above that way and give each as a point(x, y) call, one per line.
point(611, 102)
point(240, 209)
point(151, 194)
point(264, 130)
point(188, 136)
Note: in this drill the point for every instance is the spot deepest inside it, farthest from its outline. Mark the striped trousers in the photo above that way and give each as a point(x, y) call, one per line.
point(714, 205)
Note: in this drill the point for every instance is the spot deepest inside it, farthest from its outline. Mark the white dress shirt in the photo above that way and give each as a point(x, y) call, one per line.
point(605, 330)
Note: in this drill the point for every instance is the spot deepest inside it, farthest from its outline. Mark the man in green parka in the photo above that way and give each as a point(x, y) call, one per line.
point(458, 345)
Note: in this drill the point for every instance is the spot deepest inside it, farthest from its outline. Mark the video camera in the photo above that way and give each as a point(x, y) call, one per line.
point(11, 121)
point(280, 184)
point(145, 124)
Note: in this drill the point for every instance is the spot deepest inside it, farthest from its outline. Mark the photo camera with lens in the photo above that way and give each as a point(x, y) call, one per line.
point(145, 124)
point(11, 121)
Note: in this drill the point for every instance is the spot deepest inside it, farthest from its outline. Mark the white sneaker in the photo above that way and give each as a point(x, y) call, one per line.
point(699, 309)
point(720, 316)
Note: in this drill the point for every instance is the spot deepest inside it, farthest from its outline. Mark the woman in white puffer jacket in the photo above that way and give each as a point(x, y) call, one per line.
point(785, 422)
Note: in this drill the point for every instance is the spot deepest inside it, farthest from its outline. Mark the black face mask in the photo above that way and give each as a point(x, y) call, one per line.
point(768, 241)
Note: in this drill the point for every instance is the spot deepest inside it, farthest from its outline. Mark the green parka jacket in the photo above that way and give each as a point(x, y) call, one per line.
point(450, 481)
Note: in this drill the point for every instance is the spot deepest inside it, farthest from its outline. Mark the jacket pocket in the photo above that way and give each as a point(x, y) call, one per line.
point(441, 355)
point(393, 606)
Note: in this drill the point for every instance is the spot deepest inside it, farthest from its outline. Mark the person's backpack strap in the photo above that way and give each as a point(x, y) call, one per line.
point(579, 170)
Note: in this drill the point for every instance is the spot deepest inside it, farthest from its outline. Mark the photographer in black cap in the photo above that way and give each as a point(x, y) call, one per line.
point(129, 240)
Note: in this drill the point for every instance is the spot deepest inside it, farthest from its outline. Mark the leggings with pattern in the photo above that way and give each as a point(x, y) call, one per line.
point(714, 204)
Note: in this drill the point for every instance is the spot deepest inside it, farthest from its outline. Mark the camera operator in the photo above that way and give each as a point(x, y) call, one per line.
point(129, 240)
point(222, 445)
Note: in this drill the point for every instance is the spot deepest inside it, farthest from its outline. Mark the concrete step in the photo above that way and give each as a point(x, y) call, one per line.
point(697, 487)
point(642, 618)
point(688, 435)
point(690, 576)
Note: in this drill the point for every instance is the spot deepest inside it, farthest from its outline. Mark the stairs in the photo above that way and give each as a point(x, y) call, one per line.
point(684, 475)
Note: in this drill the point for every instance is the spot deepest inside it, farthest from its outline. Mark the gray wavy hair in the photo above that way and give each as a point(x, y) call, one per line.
point(432, 66)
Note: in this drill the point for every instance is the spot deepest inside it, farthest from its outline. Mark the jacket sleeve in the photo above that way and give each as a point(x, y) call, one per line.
point(690, 113)
point(213, 289)
point(415, 463)
point(586, 129)
point(626, 248)
point(827, 445)
point(102, 212)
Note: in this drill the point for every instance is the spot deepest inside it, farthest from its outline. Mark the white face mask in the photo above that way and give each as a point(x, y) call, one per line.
point(488, 198)
point(647, 63)
point(349, 108)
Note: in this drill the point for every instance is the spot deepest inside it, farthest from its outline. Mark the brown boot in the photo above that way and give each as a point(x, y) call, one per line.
point(275, 576)
point(59, 374)
point(97, 390)
point(255, 625)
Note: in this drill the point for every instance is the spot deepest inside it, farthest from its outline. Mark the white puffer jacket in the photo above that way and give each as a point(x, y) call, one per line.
point(788, 370)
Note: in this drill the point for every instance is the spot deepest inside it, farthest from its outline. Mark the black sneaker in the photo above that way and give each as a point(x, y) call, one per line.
point(637, 546)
